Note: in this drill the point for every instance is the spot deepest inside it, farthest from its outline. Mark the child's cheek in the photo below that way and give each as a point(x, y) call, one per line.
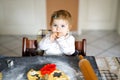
point(53, 29)
point(64, 33)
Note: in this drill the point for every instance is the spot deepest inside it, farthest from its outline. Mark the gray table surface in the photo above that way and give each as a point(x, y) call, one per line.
point(16, 68)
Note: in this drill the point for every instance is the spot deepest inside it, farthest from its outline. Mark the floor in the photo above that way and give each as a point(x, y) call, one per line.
point(99, 43)
point(102, 43)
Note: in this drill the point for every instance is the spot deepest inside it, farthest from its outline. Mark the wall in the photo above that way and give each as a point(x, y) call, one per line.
point(22, 16)
point(98, 14)
point(28, 16)
point(119, 18)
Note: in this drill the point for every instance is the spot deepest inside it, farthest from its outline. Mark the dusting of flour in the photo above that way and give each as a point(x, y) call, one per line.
point(19, 72)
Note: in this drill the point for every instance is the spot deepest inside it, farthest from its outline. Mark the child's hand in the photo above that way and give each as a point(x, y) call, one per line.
point(53, 36)
point(56, 35)
point(60, 34)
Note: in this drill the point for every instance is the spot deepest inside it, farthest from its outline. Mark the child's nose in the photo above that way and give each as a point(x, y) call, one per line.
point(58, 28)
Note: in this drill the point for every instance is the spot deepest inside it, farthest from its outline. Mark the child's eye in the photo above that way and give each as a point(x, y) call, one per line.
point(62, 25)
point(55, 25)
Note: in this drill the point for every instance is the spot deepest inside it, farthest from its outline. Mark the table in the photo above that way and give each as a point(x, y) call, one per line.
point(16, 68)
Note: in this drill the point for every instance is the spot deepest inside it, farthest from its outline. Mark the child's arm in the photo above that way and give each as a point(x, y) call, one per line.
point(45, 43)
point(67, 45)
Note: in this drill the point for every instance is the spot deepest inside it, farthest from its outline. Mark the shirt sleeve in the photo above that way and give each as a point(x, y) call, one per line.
point(67, 44)
point(45, 43)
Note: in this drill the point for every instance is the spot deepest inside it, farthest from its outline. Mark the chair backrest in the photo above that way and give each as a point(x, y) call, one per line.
point(29, 47)
point(80, 46)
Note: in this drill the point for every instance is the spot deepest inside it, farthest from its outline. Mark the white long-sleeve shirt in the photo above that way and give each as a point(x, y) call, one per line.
point(60, 46)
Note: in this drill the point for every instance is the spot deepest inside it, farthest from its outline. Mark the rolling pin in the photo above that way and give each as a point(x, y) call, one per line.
point(87, 69)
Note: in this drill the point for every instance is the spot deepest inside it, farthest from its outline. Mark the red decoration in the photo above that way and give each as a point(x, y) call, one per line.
point(47, 69)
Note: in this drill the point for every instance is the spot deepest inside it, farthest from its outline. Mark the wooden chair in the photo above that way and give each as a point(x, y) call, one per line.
point(29, 47)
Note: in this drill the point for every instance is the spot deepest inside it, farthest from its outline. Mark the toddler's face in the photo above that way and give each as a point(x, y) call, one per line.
point(60, 26)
